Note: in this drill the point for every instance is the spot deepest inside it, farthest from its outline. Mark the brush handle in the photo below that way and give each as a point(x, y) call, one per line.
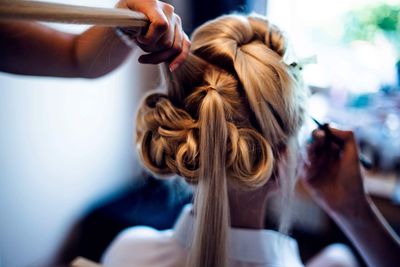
point(61, 13)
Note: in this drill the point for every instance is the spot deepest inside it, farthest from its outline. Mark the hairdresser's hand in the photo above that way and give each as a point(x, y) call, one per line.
point(165, 40)
point(333, 177)
point(332, 174)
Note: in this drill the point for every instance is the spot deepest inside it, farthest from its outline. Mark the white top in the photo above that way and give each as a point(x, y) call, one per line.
point(145, 246)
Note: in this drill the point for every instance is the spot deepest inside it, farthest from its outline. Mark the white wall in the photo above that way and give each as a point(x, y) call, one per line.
point(64, 143)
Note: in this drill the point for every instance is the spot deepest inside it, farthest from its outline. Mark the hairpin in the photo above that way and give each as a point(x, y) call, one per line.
point(299, 64)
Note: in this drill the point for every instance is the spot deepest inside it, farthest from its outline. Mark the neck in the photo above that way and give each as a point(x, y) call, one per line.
point(248, 208)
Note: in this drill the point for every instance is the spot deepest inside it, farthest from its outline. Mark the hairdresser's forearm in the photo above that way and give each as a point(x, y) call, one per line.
point(33, 49)
point(369, 232)
point(98, 51)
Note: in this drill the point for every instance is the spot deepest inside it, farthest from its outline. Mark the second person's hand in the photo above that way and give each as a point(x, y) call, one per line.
point(165, 40)
point(332, 173)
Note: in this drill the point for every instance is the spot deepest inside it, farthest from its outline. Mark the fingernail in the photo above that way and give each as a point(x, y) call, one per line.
point(319, 133)
point(173, 67)
point(140, 39)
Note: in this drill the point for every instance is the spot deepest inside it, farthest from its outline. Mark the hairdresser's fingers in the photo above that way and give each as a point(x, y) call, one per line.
point(159, 26)
point(322, 155)
point(167, 39)
point(350, 153)
point(342, 135)
point(348, 139)
point(178, 61)
point(166, 55)
point(155, 58)
point(325, 143)
point(318, 135)
point(316, 149)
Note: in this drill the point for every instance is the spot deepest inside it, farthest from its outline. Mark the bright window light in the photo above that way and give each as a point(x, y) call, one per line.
point(322, 27)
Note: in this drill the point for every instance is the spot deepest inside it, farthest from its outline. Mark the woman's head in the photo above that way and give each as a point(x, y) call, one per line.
point(229, 113)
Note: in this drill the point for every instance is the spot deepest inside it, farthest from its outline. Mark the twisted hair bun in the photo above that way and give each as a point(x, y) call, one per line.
point(222, 38)
point(252, 49)
point(229, 112)
point(168, 136)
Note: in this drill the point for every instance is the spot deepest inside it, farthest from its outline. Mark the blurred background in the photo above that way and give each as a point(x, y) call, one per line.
point(69, 175)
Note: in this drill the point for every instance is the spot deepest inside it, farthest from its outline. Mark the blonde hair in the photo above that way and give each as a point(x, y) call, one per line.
point(230, 114)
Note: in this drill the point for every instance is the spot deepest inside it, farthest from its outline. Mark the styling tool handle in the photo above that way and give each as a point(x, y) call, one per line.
point(72, 14)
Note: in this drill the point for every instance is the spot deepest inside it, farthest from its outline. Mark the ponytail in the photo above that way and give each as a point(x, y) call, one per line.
point(209, 246)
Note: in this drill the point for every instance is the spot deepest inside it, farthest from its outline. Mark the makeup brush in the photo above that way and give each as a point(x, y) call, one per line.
point(330, 137)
